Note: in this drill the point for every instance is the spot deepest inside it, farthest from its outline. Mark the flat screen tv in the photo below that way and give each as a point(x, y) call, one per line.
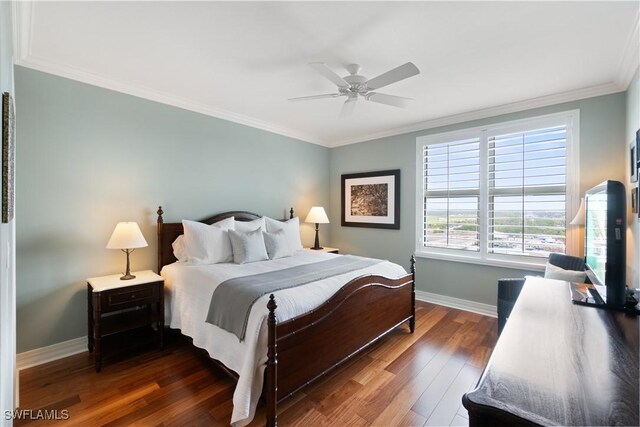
point(605, 245)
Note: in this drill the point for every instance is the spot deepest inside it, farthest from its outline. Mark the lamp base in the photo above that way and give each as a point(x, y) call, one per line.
point(127, 273)
point(316, 244)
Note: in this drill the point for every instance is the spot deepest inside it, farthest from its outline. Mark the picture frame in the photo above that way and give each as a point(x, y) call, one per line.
point(633, 160)
point(8, 158)
point(638, 147)
point(371, 199)
point(634, 200)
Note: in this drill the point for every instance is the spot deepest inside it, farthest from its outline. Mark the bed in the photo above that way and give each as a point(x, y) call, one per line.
point(351, 315)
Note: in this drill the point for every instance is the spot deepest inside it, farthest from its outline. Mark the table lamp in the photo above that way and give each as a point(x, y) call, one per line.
point(127, 237)
point(318, 216)
point(580, 217)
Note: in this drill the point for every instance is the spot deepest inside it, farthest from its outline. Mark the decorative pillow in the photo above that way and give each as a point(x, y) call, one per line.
point(277, 245)
point(254, 225)
point(248, 247)
point(554, 272)
point(179, 250)
point(291, 230)
point(206, 244)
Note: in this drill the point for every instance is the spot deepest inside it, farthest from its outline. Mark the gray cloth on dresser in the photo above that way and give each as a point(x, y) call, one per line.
point(232, 300)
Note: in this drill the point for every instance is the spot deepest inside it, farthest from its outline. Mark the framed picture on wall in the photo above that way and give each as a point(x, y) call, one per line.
point(8, 143)
point(634, 200)
point(638, 147)
point(633, 157)
point(371, 199)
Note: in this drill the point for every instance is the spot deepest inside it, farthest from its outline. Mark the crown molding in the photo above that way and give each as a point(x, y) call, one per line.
point(630, 60)
point(484, 113)
point(139, 91)
point(157, 96)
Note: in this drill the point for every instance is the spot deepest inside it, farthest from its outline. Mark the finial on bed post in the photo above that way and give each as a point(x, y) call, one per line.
point(159, 231)
point(272, 365)
point(160, 212)
point(412, 321)
point(291, 213)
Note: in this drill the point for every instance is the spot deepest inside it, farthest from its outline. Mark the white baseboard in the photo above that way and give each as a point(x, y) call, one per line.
point(50, 353)
point(460, 304)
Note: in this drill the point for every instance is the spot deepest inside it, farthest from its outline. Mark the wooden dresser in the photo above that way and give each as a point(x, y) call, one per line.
point(557, 363)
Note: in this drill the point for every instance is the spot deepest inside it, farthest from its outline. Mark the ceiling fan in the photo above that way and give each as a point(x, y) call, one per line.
point(354, 86)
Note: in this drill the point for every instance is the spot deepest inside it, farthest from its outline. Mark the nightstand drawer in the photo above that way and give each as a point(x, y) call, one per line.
point(118, 299)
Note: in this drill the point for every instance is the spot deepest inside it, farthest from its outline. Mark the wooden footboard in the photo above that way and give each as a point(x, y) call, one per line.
point(307, 347)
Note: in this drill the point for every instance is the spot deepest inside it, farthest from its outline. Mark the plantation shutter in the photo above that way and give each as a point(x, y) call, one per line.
point(452, 195)
point(527, 192)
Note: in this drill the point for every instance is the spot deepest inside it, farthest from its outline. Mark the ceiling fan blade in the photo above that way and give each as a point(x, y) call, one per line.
point(321, 68)
point(382, 98)
point(306, 98)
point(348, 107)
point(399, 73)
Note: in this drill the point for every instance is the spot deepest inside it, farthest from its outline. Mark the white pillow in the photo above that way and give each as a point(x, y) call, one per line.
point(248, 247)
point(254, 225)
point(207, 244)
point(226, 224)
point(291, 230)
point(277, 245)
point(554, 272)
point(179, 250)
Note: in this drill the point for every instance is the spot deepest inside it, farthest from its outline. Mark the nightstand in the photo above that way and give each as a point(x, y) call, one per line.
point(129, 312)
point(325, 249)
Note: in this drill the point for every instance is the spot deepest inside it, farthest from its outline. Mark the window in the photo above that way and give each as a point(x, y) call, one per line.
point(452, 194)
point(500, 194)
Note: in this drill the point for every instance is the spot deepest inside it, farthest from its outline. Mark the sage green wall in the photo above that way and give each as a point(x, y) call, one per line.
point(89, 157)
point(602, 156)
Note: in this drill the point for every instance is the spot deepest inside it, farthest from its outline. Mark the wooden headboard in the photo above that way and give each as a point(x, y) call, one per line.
point(169, 232)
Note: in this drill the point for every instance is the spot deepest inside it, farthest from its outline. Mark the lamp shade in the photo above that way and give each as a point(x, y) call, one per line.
point(127, 235)
point(580, 217)
point(317, 215)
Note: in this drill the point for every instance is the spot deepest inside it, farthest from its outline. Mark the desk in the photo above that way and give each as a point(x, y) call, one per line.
point(557, 363)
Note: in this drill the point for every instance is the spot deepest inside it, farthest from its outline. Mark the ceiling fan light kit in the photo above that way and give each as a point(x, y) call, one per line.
point(355, 85)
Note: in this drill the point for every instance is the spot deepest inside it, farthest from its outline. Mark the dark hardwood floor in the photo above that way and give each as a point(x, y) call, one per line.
point(404, 380)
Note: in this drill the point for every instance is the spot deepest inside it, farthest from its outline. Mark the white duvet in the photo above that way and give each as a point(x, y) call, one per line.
point(188, 294)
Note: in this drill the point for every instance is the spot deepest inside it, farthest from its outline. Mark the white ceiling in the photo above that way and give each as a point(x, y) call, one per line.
point(242, 60)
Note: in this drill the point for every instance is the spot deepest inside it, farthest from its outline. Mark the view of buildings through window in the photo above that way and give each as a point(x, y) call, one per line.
point(524, 180)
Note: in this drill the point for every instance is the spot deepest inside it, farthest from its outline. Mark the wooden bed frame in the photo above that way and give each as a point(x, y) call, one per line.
point(307, 347)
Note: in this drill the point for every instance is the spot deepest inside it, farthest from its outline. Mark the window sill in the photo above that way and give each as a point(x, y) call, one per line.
point(518, 265)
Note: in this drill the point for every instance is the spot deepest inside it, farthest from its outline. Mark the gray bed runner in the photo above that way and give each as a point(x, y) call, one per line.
point(232, 300)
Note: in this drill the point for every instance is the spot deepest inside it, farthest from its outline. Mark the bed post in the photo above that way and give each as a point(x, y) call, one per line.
point(291, 213)
point(272, 365)
point(159, 230)
point(412, 322)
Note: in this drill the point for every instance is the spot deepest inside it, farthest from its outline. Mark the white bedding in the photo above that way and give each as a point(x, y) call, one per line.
point(188, 294)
